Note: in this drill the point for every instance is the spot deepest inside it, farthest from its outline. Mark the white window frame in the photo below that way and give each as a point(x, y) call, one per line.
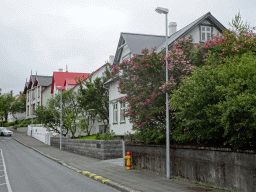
point(115, 112)
point(205, 32)
point(122, 112)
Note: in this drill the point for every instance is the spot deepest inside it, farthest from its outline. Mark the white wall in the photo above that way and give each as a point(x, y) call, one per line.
point(46, 95)
point(196, 32)
point(120, 128)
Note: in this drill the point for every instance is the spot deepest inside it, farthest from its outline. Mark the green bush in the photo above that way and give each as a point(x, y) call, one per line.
point(216, 105)
point(108, 135)
point(97, 136)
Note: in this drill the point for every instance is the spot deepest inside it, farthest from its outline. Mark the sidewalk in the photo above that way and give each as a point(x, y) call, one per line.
point(121, 178)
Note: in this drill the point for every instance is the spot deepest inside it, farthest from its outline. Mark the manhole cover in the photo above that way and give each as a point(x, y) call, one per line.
point(198, 189)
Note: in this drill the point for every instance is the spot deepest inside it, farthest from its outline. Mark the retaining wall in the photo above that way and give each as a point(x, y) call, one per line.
point(217, 167)
point(100, 149)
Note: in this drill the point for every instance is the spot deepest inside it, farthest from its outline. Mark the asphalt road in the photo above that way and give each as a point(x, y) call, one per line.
point(24, 170)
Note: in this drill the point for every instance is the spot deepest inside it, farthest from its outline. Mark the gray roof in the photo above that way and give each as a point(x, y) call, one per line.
point(137, 42)
point(183, 32)
point(44, 80)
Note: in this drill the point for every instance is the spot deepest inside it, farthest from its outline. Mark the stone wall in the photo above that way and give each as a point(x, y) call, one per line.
point(100, 149)
point(217, 167)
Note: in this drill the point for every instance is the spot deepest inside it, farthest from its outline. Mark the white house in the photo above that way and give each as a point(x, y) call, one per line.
point(33, 90)
point(131, 44)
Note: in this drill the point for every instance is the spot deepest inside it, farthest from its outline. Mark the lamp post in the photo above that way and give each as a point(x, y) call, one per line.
point(60, 88)
point(165, 11)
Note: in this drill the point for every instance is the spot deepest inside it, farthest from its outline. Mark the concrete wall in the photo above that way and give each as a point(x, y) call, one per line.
point(220, 168)
point(100, 149)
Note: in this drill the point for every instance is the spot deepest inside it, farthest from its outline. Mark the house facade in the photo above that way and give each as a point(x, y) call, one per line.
point(131, 44)
point(33, 90)
point(16, 116)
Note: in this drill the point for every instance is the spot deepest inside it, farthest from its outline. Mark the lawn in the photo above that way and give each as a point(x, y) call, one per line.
point(91, 137)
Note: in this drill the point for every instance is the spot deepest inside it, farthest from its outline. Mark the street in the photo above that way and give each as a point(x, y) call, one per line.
point(24, 170)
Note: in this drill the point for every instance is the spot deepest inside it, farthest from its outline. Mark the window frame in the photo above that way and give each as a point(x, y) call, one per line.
point(115, 113)
point(205, 32)
point(122, 112)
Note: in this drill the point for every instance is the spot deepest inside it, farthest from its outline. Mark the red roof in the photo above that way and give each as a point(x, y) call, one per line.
point(70, 81)
point(59, 78)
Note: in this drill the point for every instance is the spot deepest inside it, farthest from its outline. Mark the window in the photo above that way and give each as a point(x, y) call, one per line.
point(38, 93)
point(27, 110)
point(127, 57)
point(122, 112)
point(38, 103)
point(33, 94)
point(33, 109)
point(115, 116)
point(205, 33)
point(28, 95)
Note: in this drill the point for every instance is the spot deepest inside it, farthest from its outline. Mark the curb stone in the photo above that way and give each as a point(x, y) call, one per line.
point(94, 176)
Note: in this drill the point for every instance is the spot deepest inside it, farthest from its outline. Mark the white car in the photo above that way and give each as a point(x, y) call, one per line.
point(4, 131)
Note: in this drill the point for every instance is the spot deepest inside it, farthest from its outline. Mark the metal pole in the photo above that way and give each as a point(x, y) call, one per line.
point(60, 117)
point(167, 112)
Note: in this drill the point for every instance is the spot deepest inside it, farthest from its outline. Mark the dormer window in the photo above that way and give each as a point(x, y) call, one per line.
point(206, 32)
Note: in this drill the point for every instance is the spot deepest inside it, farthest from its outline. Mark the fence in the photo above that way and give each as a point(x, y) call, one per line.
point(40, 133)
point(217, 167)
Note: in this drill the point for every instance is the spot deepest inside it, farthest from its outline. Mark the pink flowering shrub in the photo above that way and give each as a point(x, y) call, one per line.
point(142, 79)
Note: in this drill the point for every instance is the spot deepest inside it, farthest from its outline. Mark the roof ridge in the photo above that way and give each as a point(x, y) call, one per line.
point(143, 34)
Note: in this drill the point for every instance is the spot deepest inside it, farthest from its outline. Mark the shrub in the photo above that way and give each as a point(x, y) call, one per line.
point(97, 136)
point(108, 135)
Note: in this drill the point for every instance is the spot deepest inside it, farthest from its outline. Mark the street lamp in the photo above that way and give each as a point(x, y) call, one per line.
point(60, 88)
point(165, 11)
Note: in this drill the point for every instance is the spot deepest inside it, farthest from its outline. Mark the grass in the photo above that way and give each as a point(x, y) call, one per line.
point(91, 137)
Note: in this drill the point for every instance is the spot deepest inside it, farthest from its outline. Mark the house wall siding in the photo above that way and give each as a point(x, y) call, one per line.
point(119, 128)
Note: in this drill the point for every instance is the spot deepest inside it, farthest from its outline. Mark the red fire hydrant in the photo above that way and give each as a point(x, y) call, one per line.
point(128, 158)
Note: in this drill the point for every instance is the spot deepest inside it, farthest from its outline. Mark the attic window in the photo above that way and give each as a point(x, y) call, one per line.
point(206, 32)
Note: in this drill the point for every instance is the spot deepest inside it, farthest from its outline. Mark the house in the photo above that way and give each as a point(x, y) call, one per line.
point(65, 79)
point(33, 90)
point(131, 44)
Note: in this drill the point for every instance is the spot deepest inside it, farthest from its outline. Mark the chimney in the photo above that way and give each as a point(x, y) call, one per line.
point(60, 70)
point(172, 28)
point(111, 59)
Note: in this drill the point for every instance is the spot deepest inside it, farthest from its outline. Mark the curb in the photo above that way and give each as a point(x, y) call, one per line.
point(96, 177)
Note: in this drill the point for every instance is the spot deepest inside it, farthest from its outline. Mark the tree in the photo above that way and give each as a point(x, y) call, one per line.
point(49, 115)
point(5, 104)
point(93, 96)
point(238, 26)
point(19, 105)
point(215, 106)
point(143, 82)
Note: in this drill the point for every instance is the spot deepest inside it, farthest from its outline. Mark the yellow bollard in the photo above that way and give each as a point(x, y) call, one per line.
point(128, 158)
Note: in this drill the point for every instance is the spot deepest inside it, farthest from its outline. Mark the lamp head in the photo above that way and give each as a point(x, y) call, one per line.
point(161, 10)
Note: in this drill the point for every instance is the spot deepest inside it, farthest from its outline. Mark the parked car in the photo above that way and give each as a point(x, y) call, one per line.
point(4, 131)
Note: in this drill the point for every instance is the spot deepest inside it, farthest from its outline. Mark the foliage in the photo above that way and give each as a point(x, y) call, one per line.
point(97, 136)
point(108, 135)
point(143, 82)
point(19, 106)
point(83, 125)
point(216, 105)
point(5, 104)
point(91, 137)
point(238, 26)
point(93, 96)
point(49, 115)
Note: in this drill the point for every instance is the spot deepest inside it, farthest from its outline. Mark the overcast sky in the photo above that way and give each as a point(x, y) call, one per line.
point(45, 35)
